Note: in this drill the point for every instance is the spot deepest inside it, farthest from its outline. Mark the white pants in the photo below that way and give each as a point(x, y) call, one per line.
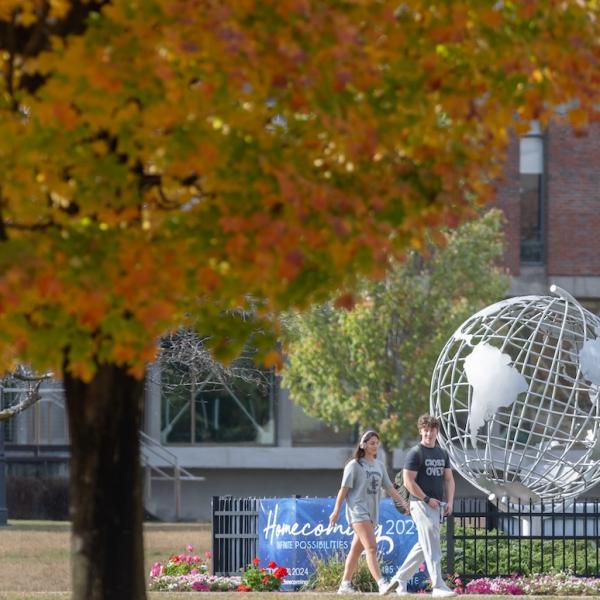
point(428, 546)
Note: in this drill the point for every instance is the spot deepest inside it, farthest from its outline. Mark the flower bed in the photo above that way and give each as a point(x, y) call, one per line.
point(255, 579)
point(189, 572)
point(193, 583)
point(550, 584)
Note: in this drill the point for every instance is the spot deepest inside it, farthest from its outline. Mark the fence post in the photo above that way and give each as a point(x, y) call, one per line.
point(216, 554)
point(3, 507)
point(177, 485)
point(450, 543)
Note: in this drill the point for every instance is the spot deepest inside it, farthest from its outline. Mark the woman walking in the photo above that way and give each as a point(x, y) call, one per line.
point(363, 478)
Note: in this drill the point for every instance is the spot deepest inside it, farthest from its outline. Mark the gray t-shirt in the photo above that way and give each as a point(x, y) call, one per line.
point(364, 480)
point(430, 464)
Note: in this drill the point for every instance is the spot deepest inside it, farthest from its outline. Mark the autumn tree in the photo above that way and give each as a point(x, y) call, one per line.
point(373, 365)
point(165, 160)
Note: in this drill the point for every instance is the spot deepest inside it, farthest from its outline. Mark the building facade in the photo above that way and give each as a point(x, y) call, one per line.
point(550, 195)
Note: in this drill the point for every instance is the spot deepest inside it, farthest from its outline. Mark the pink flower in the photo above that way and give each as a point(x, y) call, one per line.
point(194, 572)
point(200, 586)
point(190, 548)
point(156, 570)
point(195, 558)
point(208, 554)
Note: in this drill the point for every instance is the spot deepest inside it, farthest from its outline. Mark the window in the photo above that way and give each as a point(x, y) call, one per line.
point(308, 431)
point(44, 423)
point(532, 184)
point(216, 407)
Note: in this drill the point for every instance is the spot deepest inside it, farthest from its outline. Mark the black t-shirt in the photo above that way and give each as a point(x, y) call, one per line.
point(429, 464)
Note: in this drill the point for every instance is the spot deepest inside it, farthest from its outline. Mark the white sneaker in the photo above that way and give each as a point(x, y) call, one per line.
point(442, 592)
point(401, 589)
point(389, 588)
point(346, 588)
point(382, 587)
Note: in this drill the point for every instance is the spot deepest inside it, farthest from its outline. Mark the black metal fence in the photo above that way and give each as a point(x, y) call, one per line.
point(234, 533)
point(482, 539)
point(485, 539)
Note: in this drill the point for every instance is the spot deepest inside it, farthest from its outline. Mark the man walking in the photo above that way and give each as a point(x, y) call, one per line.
point(428, 477)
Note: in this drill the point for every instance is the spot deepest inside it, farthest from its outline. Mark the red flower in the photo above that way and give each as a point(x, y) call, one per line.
point(243, 588)
point(256, 562)
point(272, 564)
point(280, 572)
point(266, 579)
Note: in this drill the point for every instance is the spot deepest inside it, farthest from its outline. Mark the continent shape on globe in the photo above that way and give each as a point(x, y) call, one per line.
point(495, 382)
point(589, 359)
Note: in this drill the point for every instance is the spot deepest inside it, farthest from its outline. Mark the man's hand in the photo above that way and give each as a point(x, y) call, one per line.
point(433, 503)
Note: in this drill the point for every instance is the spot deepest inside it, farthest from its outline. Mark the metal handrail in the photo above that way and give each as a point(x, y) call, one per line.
point(149, 445)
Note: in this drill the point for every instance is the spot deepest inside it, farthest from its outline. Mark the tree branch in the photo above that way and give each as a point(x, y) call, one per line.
point(37, 40)
point(3, 232)
point(28, 226)
point(33, 395)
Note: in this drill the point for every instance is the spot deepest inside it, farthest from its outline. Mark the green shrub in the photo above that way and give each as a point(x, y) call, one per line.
point(329, 571)
point(29, 497)
point(504, 556)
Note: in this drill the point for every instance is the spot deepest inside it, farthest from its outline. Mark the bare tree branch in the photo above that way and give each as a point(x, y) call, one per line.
point(189, 361)
point(32, 395)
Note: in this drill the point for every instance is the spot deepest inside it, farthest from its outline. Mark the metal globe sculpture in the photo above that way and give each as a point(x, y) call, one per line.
point(517, 392)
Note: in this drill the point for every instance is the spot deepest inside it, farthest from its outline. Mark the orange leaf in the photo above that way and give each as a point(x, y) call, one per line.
point(273, 360)
point(66, 115)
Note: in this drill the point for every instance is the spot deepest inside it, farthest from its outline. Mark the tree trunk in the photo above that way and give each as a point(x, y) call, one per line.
point(106, 485)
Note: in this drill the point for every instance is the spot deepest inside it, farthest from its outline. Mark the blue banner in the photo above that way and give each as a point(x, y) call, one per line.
point(291, 531)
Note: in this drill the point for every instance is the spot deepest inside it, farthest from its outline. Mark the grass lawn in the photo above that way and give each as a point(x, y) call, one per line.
point(35, 555)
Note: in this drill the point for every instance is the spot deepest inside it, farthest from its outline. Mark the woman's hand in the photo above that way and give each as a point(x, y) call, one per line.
point(333, 517)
